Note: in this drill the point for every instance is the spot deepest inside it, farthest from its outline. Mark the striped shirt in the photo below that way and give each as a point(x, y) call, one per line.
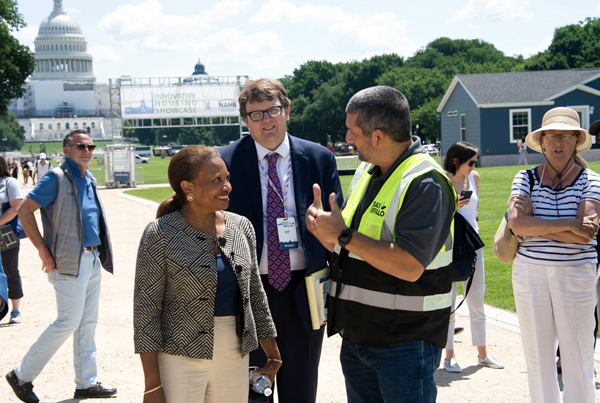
point(553, 205)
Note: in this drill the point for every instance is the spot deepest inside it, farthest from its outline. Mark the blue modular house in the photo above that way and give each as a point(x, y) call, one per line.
point(493, 111)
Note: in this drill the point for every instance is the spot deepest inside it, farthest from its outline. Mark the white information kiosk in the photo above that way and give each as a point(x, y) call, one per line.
point(119, 165)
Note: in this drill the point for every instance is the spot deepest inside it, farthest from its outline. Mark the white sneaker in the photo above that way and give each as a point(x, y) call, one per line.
point(490, 361)
point(452, 366)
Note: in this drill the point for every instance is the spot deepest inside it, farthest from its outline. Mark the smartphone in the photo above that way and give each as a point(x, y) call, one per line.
point(466, 194)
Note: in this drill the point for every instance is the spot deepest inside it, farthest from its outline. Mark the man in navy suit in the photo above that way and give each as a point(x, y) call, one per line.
point(297, 164)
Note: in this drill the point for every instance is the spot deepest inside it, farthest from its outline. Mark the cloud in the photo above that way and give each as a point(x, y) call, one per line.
point(479, 12)
point(104, 55)
point(147, 25)
point(284, 11)
point(528, 51)
point(366, 36)
point(346, 36)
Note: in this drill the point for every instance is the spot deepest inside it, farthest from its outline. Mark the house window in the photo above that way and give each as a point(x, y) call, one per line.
point(93, 125)
point(49, 126)
point(584, 115)
point(520, 124)
point(41, 126)
point(67, 126)
point(58, 126)
point(75, 125)
point(449, 113)
point(463, 127)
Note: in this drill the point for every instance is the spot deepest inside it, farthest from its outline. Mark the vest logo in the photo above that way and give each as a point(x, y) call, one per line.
point(378, 209)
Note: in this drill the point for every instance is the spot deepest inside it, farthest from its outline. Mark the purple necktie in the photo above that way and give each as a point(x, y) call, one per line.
point(280, 273)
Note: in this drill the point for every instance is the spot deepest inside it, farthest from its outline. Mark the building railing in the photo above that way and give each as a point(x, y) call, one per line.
point(53, 113)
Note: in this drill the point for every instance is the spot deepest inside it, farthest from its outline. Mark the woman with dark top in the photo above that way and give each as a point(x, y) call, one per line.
point(199, 304)
point(554, 270)
point(10, 198)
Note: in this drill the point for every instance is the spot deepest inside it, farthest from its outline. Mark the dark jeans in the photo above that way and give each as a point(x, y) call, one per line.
point(402, 373)
point(10, 264)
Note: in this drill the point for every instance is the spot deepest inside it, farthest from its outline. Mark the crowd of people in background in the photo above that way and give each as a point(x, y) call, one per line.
point(220, 274)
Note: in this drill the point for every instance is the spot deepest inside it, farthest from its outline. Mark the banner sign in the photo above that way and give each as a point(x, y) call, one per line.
point(179, 101)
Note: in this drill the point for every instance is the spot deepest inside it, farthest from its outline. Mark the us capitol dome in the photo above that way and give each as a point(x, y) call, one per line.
point(61, 49)
point(62, 93)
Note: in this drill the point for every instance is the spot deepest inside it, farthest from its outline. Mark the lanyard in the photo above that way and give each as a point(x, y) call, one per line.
point(551, 190)
point(286, 181)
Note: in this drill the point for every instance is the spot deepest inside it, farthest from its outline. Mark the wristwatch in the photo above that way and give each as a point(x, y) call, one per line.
point(345, 237)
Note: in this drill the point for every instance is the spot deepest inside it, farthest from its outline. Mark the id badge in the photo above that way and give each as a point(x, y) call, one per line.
point(286, 228)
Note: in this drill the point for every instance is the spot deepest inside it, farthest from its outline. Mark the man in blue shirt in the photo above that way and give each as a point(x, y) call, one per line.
point(75, 236)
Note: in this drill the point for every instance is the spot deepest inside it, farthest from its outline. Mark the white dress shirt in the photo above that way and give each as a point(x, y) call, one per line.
point(297, 258)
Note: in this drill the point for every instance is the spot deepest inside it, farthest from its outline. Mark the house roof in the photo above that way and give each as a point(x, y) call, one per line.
point(521, 88)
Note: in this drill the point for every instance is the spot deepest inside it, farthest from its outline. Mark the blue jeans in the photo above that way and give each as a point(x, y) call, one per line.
point(77, 300)
point(402, 373)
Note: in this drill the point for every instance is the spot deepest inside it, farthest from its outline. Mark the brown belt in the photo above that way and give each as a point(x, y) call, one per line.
point(91, 248)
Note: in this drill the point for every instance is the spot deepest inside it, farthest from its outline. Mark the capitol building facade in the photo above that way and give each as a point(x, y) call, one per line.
point(62, 94)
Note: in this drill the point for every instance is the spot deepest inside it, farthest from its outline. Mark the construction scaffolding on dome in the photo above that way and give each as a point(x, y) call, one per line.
point(165, 102)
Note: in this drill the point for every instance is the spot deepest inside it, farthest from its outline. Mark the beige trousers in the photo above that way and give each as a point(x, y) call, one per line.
point(222, 379)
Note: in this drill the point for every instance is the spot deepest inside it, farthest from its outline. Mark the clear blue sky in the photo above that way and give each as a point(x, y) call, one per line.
point(270, 38)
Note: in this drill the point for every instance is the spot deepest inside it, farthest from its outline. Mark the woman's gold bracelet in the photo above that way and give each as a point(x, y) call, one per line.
point(276, 360)
point(153, 389)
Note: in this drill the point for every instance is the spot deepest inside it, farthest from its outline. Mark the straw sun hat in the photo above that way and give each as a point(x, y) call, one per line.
point(564, 119)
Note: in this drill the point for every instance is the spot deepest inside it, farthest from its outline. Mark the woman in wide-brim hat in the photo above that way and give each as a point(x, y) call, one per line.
point(554, 270)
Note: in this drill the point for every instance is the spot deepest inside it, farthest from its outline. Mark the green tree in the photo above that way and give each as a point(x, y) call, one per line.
point(573, 46)
point(12, 134)
point(17, 61)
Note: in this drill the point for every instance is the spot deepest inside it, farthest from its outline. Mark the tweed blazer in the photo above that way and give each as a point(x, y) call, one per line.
point(176, 283)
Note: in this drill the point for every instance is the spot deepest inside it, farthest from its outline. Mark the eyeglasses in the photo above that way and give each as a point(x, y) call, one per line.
point(559, 136)
point(81, 147)
point(273, 112)
point(473, 163)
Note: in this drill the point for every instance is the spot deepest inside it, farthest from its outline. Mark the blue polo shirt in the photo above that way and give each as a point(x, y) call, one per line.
point(45, 192)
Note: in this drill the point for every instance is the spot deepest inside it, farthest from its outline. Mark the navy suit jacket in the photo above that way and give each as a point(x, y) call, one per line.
point(311, 163)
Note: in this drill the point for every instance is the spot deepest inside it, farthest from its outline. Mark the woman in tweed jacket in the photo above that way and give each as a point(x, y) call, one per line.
point(195, 319)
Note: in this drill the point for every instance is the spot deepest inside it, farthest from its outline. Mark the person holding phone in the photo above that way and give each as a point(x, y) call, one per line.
point(459, 164)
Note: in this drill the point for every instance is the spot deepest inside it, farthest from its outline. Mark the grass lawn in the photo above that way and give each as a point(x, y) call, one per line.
point(154, 172)
point(494, 191)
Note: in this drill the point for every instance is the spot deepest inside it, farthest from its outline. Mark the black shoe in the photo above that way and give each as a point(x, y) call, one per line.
point(96, 391)
point(23, 392)
point(458, 330)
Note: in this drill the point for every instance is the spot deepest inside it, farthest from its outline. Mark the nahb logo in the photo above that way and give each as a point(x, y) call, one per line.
point(378, 209)
point(228, 103)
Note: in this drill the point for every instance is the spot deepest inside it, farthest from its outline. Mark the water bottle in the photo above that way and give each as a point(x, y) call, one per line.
point(261, 383)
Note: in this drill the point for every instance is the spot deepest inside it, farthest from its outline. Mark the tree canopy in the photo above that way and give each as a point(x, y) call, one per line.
point(319, 90)
point(573, 46)
point(12, 134)
point(17, 61)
